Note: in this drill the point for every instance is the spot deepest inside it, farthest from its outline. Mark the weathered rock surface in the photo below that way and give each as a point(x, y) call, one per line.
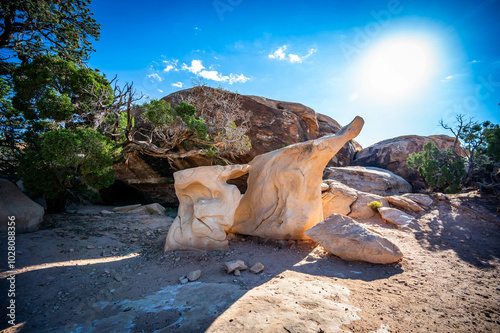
point(349, 240)
point(372, 180)
point(421, 199)
point(284, 197)
point(124, 209)
point(193, 275)
point(237, 265)
point(342, 199)
point(206, 209)
point(28, 214)
point(153, 209)
point(257, 268)
point(392, 154)
point(275, 124)
point(396, 217)
point(404, 203)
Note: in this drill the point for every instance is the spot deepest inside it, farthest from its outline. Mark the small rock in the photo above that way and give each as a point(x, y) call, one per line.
point(90, 247)
point(96, 217)
point(183, 279)
point(194, 275)
point(324, 187)
point(118, 278)
point(237, 272)
point(124, 209)
point(257, 268)
point(231, 266)
point(71, 250)
point(106, 212)
point(134, 239)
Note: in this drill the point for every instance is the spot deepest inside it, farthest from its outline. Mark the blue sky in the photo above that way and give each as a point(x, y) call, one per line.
point(401, 65)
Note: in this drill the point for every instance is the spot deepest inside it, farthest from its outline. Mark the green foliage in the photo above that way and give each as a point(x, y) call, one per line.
point(50, 27)
point(375, 205)
point(441, 169)
point(492, 138)
point(161, 114)
point(68, 159)
point(53, 89)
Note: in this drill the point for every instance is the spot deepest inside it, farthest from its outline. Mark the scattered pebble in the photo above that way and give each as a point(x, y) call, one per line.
point(257, 268)
point(183, 279)
point(193, 275)
point(231, 266)
point(237, 272)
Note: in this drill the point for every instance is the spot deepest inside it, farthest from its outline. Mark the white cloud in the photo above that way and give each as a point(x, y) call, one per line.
point(238, 78)
point(280, 54)
point(159, 90)
point(195, 67)
point(155, 76)
point(213, 75)
point(178, 84)
point(171, 65)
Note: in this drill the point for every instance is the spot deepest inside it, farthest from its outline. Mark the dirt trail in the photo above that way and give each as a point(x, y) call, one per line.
point(86, 272)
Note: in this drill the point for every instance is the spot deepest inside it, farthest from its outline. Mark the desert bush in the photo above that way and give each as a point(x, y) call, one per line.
point(375, 205)
point(441, 169)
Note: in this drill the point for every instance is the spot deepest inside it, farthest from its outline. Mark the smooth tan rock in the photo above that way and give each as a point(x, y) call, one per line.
point(152, 209)
point(106, 212)
point(124, 209)
point(283, 198)
point(360, 208)
point(422, 199)
point(396, 217)
point(324, 187)
point(338, 199)
point(206, 209)
point(257, 268)
point(404, 203)
point(349, 240)
point(193, 275)
point(237, 265)
point(14, 203)
point(371, 180)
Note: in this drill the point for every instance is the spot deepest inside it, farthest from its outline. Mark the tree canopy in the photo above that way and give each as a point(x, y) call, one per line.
point(29, 29)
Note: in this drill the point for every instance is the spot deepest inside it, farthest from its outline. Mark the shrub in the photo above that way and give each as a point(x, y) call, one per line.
point(375, 205)
point(441, 169)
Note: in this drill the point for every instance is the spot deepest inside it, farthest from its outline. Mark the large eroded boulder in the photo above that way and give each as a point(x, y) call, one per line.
point(206, 209)
point(392, 154)
point(284, 197)
point(349, 240)
point(370, 179)
point(28, 214)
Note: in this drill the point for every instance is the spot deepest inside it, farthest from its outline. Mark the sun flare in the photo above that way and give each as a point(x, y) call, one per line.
point(398, 67)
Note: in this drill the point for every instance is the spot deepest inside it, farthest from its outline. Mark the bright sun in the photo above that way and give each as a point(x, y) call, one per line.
point(398, 67)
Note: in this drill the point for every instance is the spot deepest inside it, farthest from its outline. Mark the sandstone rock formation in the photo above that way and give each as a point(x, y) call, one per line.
point(28, 214)
point(275, 124)
point(284, 197)
point(404, 203)
point(422, 199)
point(391, 154)
point(206, 209)
point(396, 217)
point(342, 199)
point(349, 240)
point(372, 180)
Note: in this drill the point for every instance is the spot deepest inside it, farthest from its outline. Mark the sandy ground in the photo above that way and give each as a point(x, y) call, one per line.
point(83, 272)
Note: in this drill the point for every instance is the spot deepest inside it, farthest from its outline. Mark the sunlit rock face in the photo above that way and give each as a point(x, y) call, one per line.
point(206, 207)
point(24, 213)
point(349, 240)
point(392, 154)
point(284, 187)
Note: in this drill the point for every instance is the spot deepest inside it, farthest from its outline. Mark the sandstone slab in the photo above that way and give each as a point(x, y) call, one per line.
point(257, 268)
point(27, 214)
point(349, 240)
point(124, 209)
point(396, 217)
point(404, 203)
point(153, 209)
point(371, 180)
point(421, 199)
point(237, 265)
